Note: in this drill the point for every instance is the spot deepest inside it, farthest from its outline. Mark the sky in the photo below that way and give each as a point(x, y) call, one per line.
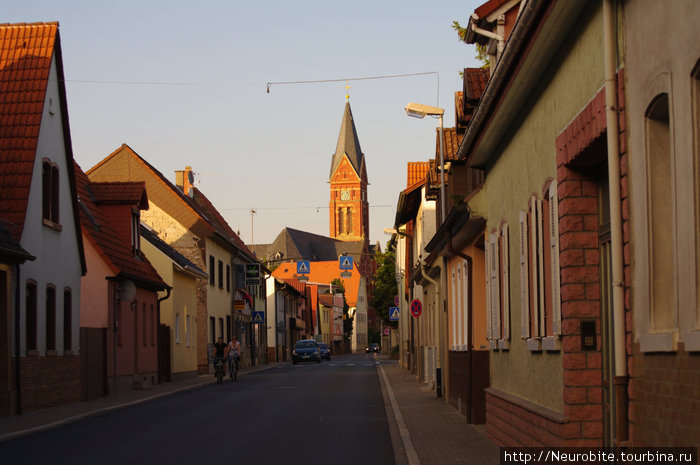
point(185, 83)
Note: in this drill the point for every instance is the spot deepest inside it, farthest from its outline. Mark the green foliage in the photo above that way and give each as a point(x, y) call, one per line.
point(384, 285)
point(348, 320)
point(481, 54)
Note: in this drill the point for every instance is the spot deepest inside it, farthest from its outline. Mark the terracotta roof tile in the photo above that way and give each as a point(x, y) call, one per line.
point(416, 172)
point(96, 227)
point(323, 273)
point(452, 141)
point(118, 193)
point(475, 80)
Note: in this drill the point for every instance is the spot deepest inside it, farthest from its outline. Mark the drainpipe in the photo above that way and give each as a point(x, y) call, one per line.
point(618, 292)
point(18, 313)
point(470, 316)
point(438, 369)
point(167, 363)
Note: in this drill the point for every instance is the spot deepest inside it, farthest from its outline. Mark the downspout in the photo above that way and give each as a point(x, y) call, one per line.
point(18, 313)
point(618, 292)
point(167, 363)
point(470, 316)
point(438, 369)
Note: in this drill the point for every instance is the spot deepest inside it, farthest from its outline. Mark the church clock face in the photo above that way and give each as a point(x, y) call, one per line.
point(344, 195)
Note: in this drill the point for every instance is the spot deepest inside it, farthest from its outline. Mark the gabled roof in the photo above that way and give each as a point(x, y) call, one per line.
point(26, 54)
point(114, 252)
point(348, 144)
point(26, 51)
point(293, 244)
point(10, 250)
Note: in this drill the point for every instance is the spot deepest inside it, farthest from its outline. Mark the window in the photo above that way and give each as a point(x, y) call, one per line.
point(50, 318)
point(349, 220)
point(221, 327)
point(154, 325)
point(212, 271)
point(228, 327)
point(221, 274)
point(228, 278)
point(660, 214)
point(177, 328)
point(341, 221)
point(497, 289)
point(31, 310)
point(187, 330)
point(212, 329)
point(145, 324)
point(50, 192)
point(540, 298)
point(67, 320)
point(135, 232)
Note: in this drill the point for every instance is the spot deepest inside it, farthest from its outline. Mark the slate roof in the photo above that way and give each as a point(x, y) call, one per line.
point(348, 144)
point(114, 252)
point(293, 244)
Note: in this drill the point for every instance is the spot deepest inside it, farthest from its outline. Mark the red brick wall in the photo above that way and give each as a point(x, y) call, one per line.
point(49, 381)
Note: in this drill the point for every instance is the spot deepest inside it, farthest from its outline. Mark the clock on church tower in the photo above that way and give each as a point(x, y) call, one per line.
point(348, 206)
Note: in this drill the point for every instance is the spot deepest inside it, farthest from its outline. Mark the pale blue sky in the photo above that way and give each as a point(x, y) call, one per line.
point(206, 65)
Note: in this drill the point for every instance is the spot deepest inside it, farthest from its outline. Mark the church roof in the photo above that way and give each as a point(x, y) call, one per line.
point(348, 144)
point(295, 245)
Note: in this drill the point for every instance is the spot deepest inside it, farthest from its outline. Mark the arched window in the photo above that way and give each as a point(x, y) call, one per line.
point(660, 213)
point(341, 221)
point(349, 220)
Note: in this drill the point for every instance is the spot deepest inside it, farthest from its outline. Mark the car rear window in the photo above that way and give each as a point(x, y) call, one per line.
point(306, 344)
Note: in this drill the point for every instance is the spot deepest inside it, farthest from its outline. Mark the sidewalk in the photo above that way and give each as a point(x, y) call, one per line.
point(425, 430)
point(433, 432)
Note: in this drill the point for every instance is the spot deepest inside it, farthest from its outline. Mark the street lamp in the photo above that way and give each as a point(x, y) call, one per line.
point(418, 110)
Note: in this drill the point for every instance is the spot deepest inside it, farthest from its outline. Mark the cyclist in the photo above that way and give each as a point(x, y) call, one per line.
point(233, 353)
point(219, 348)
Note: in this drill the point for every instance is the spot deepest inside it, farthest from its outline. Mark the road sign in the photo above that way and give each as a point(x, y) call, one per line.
point(393, 313)
point(259, 318)
point(345, 262)
point(345, 274)
point(386, 331)
point(396, 301)
point(252, 273)
point(416, 308)
point(303, 267)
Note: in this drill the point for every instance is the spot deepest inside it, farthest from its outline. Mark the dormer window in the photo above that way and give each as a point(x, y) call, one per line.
point(50, 193)
point(135, 232)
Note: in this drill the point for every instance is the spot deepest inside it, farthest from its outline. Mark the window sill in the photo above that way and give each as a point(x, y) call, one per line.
point(657, 343)
point(551, 343)
point(50, 224)
point(692, 341)
point(534, 344)
point(504, 344)
point(493, 345)
point(52, 353)
point(33, 353)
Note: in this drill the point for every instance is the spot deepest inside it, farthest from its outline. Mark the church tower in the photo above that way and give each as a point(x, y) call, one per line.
point(349, 208)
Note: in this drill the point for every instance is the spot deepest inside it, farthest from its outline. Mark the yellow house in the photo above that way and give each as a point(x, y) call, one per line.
point(178, 310)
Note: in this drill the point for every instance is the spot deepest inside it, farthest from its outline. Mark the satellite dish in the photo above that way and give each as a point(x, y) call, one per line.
point(126, 290)
point(190, 192)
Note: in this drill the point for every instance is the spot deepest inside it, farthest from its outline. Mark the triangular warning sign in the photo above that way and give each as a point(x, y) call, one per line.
point(258, 317)
point(303, 267)
point(345, 264)
point(395, 314)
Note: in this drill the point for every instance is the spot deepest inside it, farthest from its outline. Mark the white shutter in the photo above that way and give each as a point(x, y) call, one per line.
point(494, 287)
point(524, 280)
point(540, 269)
point(465, 305)
point(489, 324)
point(534, 270)
point(454, 310)
point(505, 282)
point(554, 255)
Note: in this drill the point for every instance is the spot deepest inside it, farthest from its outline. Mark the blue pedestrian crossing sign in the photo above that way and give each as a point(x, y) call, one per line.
point(393, 313)
point(345, 262)
point(259, 318)
point(303, 267)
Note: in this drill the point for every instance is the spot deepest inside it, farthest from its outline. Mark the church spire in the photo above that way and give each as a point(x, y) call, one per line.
point(348, 144)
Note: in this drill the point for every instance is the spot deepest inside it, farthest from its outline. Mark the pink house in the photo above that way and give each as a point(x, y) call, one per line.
point(119, 300)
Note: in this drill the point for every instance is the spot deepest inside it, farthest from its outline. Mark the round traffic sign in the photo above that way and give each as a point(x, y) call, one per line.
point(416, 308)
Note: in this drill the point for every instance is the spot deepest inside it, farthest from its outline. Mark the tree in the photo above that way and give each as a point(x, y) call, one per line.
point(384, 284)
point(481, 54)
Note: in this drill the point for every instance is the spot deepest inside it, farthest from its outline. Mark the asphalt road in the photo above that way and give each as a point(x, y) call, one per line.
point(328, 413)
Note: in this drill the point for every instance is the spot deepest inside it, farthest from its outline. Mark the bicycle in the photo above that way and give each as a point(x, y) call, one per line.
point(233, 367)
point(219, 371)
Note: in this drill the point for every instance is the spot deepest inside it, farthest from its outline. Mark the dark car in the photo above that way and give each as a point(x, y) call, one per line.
point(374, 347)
point(325, 351)
point(306, 351)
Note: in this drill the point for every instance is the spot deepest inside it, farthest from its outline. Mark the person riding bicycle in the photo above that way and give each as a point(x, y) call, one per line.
point(219, 348)
point(233, 353)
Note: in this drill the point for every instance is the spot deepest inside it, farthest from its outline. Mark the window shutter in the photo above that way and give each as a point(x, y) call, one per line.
point(534, 274)
point(540, 268)
point(505, 282)
point(465, 305)
point(554, 244)
point(453, 292)
point(489, 323)
point(494, 288)
point(524, 279)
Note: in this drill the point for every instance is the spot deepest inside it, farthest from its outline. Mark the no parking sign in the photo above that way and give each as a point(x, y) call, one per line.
point(416, 308)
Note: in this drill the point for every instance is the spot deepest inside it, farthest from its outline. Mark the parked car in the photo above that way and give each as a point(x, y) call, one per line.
point(325, 351)
point(374, 347)
point(306, 351)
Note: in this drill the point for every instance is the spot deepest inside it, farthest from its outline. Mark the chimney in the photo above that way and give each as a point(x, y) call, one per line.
point(184, 180)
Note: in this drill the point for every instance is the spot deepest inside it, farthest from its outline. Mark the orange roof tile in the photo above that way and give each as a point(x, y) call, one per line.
point(26, 51)
point(323, 273)
point(452, 141)
point(416, 172)
point(118, 193)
